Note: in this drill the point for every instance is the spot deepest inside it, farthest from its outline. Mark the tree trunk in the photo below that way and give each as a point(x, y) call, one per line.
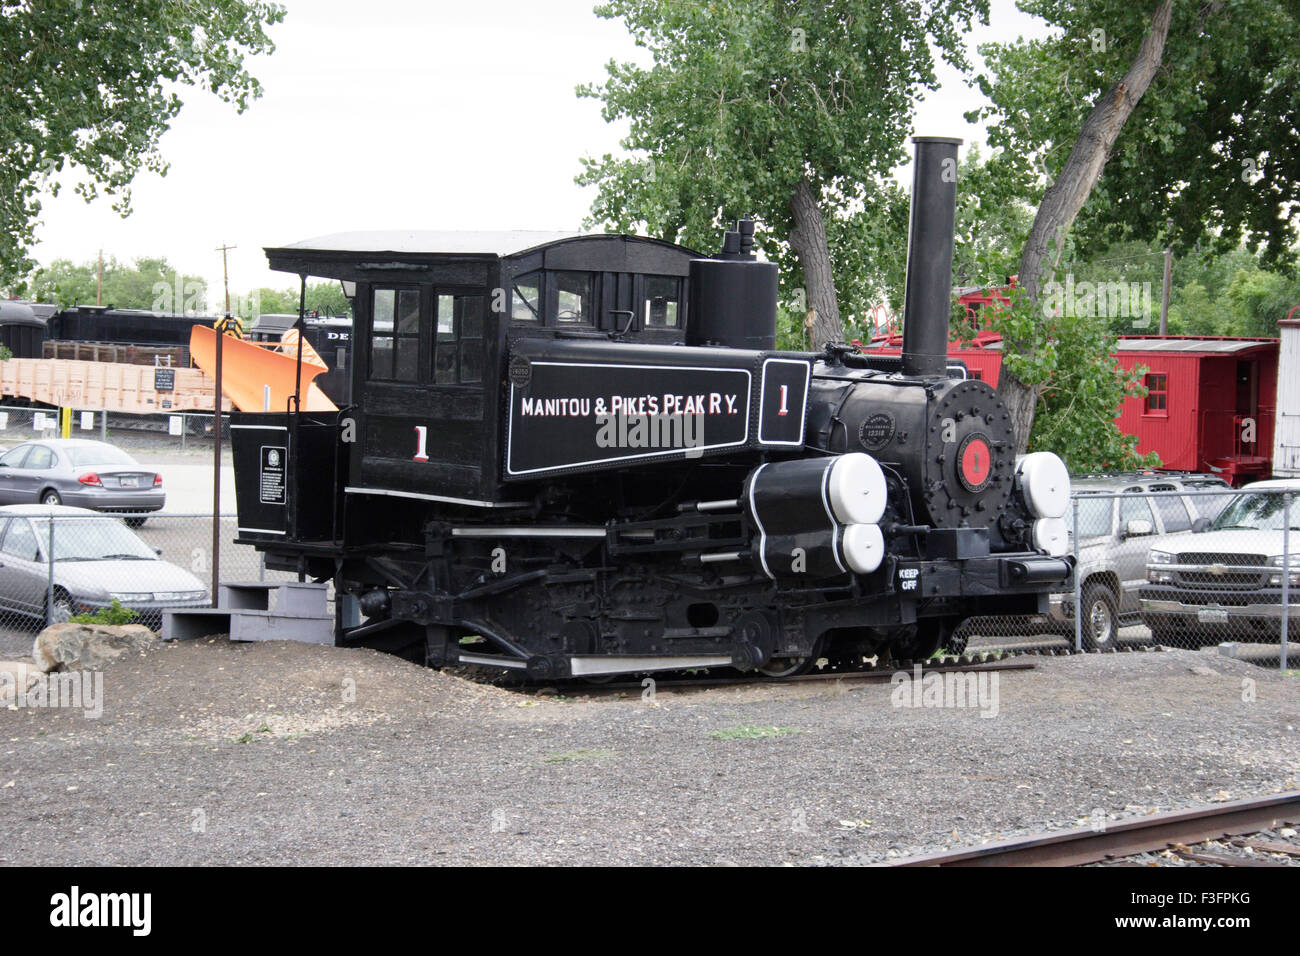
point(808, 240)
point(1067, 194)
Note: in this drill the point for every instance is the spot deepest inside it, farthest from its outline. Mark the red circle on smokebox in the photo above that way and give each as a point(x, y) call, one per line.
point(975, 462)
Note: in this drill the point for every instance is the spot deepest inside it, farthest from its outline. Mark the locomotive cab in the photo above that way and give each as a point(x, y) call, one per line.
point(435, 317)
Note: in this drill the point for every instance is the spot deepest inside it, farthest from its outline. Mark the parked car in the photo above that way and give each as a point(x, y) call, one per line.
point(1227, 581)
point(80, 473)
point(1114, 535)
point(96, 559)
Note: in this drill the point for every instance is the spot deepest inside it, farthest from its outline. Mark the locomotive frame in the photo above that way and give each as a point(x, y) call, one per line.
point(580, 455)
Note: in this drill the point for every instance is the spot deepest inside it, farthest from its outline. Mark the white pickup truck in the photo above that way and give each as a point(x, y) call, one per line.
point(1226, 582)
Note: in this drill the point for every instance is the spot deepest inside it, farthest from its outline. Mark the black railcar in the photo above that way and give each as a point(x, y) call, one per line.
point(93, 323)
point(583, 455)
point(22, 329)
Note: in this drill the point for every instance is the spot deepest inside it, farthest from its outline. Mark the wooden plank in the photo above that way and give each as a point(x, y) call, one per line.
point(1269, 846)
point(1223, 859)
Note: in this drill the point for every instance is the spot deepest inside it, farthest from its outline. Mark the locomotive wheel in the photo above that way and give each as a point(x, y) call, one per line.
point(1100, 618)
point(926, 637)
point(792, 666)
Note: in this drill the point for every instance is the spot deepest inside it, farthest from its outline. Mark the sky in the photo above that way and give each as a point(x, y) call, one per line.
point(398, 114)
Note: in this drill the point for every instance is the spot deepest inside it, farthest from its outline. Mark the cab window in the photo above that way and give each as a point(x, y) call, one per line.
point(395, 335)
point(458, 349)
point(575, 298)
point(526, 298)
point(662, 299)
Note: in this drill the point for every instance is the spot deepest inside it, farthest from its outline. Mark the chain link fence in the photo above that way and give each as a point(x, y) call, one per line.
point(161, 431)
point(164, 562)
point(1188, 566)
point(1184, 567)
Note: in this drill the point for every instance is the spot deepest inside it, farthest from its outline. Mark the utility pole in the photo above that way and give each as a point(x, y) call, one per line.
point(225, 272)
point(221, 327)
point(99, 280)
point(1164, 296)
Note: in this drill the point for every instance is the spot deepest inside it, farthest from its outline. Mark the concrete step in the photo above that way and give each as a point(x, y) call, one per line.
point(275, 626)
point(291, 597)
point(192, 623)
point(247, 625)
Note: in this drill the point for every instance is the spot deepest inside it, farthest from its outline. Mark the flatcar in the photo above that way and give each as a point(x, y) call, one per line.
point(169, 334)
point(583, 455)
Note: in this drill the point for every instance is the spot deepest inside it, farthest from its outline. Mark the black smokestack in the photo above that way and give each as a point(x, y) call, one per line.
point(928, 293)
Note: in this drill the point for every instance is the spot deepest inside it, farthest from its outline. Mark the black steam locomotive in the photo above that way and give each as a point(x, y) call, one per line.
point(582, 455)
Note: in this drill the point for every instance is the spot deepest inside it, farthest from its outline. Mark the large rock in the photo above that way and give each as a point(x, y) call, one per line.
point(15, 678)
point(88, 646)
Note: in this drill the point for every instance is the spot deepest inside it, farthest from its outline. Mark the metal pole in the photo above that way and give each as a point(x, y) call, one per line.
point(216, 471)
point(1078, 588)
point(225, 273)
point(103, 425)
point(291, 466)
point(49, 584)
point(1286, 575)
point(1164, 295)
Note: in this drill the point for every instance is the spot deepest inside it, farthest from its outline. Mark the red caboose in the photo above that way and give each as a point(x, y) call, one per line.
point(1211, 404)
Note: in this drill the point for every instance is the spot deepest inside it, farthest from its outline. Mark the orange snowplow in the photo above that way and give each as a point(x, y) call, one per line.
point(248, 369)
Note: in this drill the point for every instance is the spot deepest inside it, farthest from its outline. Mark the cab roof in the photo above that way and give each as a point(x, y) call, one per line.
point(426, 242)
point(360, 255)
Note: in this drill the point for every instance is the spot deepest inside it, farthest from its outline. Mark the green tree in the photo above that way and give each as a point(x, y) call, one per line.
point(1189, 108)
point(991, 224)
point(788, 111)
point(1065, 360)
point(325, 298)
point(93, 85)
point(1260, 299)
point(148, 283)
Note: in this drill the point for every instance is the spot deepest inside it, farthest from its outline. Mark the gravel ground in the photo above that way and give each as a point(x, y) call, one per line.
point(212, 752)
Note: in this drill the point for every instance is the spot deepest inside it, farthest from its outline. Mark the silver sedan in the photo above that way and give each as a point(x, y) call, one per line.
point(81, 473)
point(96, 560)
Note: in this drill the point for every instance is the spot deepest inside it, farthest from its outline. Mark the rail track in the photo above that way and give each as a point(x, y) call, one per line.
point(1013, 657)
point(1179, 830)
point(871, 674)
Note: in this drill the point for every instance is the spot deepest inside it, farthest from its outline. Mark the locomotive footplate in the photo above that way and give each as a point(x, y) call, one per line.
point(1001, 575)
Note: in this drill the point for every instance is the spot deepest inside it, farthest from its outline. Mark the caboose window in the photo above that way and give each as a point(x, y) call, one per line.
point(1157, 400)
point(458, 351)
point(662, 295)
point(575, 298)
point(395, 335)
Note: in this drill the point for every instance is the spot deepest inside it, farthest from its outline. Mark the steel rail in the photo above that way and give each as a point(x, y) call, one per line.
point(1081, 845)
point(865, 676)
